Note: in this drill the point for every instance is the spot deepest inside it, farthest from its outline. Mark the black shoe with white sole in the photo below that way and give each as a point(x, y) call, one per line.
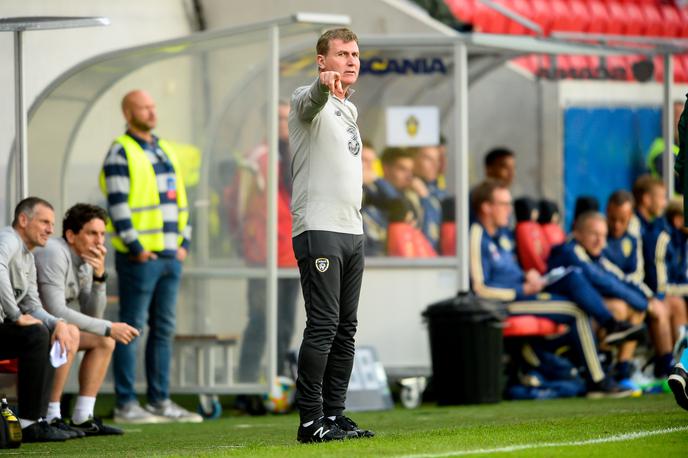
point(62, 425)
point(41, 431)
point(351, 428)
point(94, 427)
point(321, 430)
point(678, 382)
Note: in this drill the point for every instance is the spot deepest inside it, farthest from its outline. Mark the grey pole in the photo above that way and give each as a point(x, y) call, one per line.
point(272, 190)
point(21, 162)
point(668, 126)
point(460, 128)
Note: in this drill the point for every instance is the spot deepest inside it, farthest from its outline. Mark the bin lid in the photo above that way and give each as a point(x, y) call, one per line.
point(468, 306)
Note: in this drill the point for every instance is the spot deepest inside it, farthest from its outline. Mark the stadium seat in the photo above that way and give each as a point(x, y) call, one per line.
point(562, 19)
point(487, 20)
point(9, 366)
point(683, 14)
point(549, 219)
point(523, 8)
point(671, 20)
point(463, 10)
point(532, 247)
point(542, 15)
point(406, 241)
point(531, 326)
point(448, 228)
point(635, 24)
point(654, 25)
point(618, 22)
point(599, 18)
point(580, 15)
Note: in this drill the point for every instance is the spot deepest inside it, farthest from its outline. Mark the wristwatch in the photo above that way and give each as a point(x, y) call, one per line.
point(102, 278)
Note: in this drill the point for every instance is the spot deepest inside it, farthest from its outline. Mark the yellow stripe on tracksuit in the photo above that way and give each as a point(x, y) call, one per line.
point(476, 270)
point(582, 327)
point(144, 197)
point(663, 285)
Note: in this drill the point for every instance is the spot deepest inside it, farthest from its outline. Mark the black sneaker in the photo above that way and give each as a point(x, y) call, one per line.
point(351, 428)
point(322, 430)
point(678, 382)
point(94, 427)
point(621, 331)
point(608, 388)
point(62, 425)
point(41, 431)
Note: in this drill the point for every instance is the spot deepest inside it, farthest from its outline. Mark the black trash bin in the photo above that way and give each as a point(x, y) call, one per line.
point(466, 345)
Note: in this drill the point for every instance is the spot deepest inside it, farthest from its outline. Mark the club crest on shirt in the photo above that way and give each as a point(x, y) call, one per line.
point(505, 243)
point(626, 246)
point(494, 252)
point(354, 144)
point(322, 264)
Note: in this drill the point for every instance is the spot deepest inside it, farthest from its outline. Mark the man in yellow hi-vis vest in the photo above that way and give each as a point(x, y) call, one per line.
point(150, 232)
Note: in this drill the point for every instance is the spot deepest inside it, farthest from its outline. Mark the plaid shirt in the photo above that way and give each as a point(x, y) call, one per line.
point(116, 170)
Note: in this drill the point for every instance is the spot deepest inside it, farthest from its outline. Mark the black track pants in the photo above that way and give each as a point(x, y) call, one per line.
point(31, 345)
point(331, 266)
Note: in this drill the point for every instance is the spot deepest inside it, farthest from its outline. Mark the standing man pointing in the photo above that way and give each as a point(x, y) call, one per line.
point(327, 235)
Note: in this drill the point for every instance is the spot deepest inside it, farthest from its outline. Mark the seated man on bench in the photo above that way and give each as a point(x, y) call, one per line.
point(495, 274)
point(71, 284)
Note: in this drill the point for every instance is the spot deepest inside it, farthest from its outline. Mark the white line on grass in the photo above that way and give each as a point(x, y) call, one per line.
point(516, 448)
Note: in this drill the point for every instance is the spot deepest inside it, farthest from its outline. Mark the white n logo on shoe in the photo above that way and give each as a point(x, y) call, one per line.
point(321, 432)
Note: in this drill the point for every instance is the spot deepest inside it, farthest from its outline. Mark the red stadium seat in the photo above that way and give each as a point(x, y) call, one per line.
point(448, 238)
point(554, 234)
point(9, 366)
point(599, 17)
point(618, 21)
point(671, 20)
point(654, 25)
point(542, 15)
point(580, 15)
point(406, 241)
point(680, 70)
point(487, 20)
point(635, 23)
point(562, 19)
point(683, 14)
point(463, 10)
point(523, 8)
point(532, 246)
point(531, 326)
point(617, 64)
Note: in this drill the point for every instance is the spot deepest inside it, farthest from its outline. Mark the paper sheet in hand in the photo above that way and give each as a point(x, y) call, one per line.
point(57, 356)
point(557, 274)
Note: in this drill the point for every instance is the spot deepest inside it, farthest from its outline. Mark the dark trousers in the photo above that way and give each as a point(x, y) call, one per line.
point(253, 344)
point(30, 344)
point(331, 266)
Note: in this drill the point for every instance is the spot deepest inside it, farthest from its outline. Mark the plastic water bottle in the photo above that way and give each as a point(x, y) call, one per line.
point(11, 427)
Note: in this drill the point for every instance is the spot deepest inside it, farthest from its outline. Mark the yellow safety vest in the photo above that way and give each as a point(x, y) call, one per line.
point(144, 197)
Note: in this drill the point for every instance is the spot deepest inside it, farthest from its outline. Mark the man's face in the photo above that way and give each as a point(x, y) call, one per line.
point(399, 173)
point(37, 229)
point(503, 170)
point(91, 235)
point(368, 158)
point(427, 164)
point(618, 217)
point(593, 236)
point(343, 58)
point(498, 211)
point(139, 111)
point(657, 201)
point(283, 125)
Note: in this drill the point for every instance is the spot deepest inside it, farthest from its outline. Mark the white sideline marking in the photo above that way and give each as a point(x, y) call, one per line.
point(516, 448)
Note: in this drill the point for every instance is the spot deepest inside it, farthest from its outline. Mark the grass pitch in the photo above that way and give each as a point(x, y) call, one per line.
point(650, 426)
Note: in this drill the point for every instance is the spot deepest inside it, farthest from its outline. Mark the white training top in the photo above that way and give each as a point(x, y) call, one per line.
point(326, 163)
